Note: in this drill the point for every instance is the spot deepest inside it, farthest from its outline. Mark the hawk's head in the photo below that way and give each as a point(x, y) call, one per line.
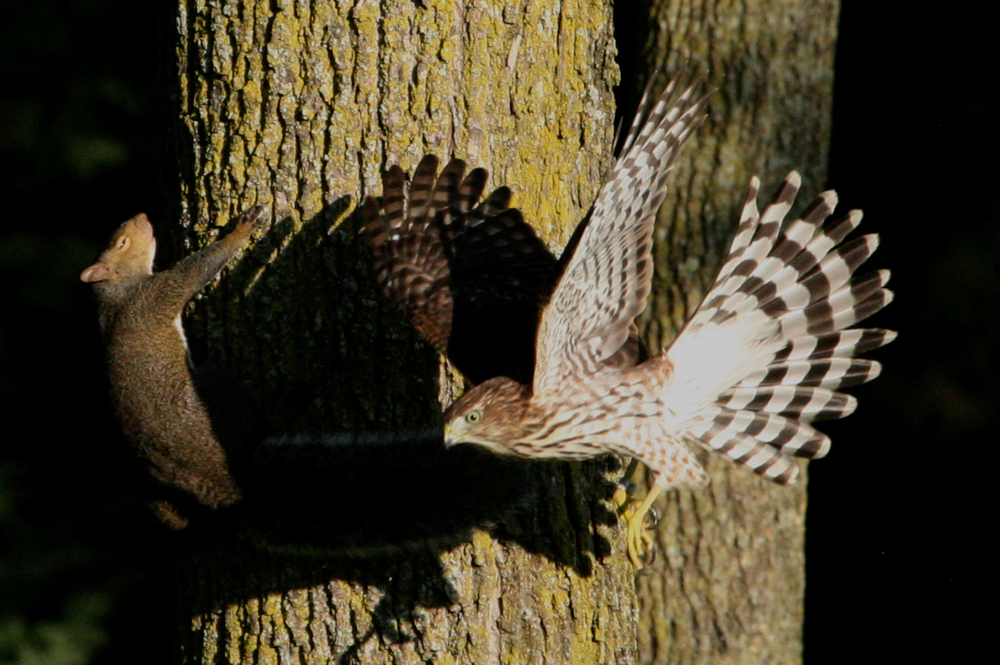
point(490, 415)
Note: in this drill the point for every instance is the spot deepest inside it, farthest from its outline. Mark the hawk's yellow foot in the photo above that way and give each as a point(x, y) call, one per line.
point(638, 540)
point(634, 513)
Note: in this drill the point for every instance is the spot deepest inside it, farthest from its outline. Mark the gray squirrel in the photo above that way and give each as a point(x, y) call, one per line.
point(158, 398)
point(203, 445)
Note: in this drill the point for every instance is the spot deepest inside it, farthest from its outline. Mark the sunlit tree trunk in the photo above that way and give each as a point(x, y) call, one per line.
point(295, 105)
point(728, 586)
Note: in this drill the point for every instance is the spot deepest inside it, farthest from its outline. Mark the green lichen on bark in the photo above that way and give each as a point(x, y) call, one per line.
point(295, 105)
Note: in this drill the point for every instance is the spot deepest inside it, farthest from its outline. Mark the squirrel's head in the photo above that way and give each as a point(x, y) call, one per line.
point(129, 254)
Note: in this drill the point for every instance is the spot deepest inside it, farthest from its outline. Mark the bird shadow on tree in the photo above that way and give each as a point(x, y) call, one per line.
point(354, 484)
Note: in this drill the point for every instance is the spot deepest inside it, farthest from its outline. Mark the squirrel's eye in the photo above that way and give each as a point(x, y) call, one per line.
point(123, 242)
point(473, 417)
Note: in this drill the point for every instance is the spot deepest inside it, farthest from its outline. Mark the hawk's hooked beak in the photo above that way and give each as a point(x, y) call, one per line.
point(451, 436)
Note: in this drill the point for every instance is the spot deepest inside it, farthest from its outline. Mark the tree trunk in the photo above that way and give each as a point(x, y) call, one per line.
point(729, 583)
point(295, 105)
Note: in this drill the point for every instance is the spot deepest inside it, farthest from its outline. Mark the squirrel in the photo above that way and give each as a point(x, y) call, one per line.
point(160, 400)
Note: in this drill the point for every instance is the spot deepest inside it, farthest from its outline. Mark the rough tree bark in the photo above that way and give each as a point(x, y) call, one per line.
point(295, 105)
point(729, 583)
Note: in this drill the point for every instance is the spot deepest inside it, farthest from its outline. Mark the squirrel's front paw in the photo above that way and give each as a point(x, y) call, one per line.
point(254, 219)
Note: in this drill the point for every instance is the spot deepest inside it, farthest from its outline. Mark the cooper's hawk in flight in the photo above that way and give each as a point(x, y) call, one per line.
point(760, 359)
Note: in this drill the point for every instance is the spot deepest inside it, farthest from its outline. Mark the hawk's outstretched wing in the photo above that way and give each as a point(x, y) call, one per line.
point(607, 280)
point(471, 278)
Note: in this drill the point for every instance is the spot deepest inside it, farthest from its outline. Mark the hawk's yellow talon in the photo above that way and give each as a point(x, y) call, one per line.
point(641, 548)
point(638, 539)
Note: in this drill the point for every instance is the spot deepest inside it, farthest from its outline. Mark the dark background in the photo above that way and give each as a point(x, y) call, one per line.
point(896, 527)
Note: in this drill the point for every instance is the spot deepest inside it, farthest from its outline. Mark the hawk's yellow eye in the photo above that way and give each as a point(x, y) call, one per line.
point(473, 417)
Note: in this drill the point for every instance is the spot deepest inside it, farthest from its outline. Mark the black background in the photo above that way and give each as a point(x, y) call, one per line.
point(897, 522)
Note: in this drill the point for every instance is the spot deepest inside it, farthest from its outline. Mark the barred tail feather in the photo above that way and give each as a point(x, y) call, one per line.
point(802, 231)
point(764, 443)
point(850, 304)
point(829, 373)
point(720, 429)
point(748, 257)
point(775, 319)
point(794, 290)
point(841, 344)
point(778, 285)
point(749, 219)
point(802, 403)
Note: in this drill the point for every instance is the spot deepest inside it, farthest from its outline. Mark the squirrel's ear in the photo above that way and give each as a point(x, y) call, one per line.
point(95, 273)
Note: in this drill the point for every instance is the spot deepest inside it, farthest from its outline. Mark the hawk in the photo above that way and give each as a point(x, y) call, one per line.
point(760, 359)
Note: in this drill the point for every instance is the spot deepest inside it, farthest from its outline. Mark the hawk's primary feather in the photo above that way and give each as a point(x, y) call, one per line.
point(607, 280)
